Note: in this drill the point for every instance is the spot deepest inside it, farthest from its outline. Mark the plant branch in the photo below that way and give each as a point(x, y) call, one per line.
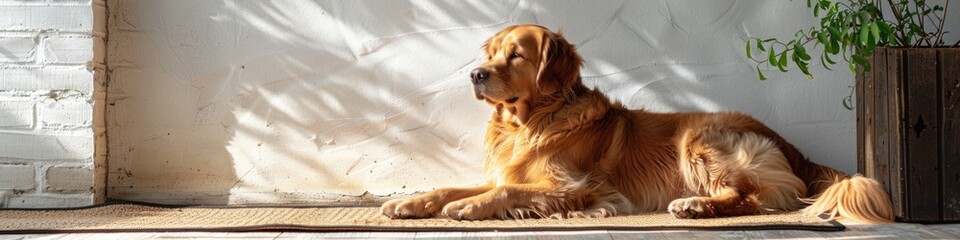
point(939, 35)
point(921, 8)
point(896, 14)
point(921, 40)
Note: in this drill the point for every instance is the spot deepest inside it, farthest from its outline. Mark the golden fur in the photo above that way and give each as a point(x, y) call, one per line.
point(555, 148)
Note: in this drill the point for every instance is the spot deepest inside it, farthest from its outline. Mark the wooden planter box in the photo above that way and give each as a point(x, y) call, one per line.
point(908, 130)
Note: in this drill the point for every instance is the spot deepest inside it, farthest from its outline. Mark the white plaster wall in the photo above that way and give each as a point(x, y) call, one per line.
point(302, 101)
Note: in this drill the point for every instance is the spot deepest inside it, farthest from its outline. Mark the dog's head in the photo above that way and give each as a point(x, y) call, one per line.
point(525, 62)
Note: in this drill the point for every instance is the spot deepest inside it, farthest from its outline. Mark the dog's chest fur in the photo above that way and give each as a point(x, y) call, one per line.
point(556, 144)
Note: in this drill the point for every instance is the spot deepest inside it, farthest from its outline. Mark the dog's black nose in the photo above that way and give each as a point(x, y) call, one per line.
point(478, 75)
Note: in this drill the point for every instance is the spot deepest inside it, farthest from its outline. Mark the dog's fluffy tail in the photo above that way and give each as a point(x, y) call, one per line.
point(854, 198)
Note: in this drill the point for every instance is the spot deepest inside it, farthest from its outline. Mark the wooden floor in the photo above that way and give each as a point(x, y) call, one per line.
point(860, 231)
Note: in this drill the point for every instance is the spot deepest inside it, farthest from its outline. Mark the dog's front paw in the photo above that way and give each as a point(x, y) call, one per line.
point(464, 210)
point(418, 207)
point(688, 208)
point(591, 213)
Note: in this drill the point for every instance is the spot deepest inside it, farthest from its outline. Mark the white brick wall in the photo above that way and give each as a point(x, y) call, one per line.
point(17, 176)
point(17, 115)
point(50, 63)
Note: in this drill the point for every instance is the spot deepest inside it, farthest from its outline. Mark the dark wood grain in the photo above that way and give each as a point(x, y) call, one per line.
point(896, 118)
point(950, 134)
point(861, 106)
point(923, 183)
point(880, 130)
point(869, 106)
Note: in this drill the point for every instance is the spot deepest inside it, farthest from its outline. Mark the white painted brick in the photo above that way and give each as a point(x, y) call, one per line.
point(47, 78)
point(59, 61)
point(69, 50)
point(32, 146)
point(69, 179)
point(43, 2)
point(16, 115)
point(17, 176)
point(17, 49)
point(49, 201)
point(27, 17)
point(66, 114)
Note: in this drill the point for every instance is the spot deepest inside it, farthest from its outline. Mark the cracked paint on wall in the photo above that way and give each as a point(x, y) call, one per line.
point(301, 101)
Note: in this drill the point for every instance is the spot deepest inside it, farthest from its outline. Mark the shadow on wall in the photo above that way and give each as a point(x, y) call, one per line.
point(239, 102)
point(304, 102)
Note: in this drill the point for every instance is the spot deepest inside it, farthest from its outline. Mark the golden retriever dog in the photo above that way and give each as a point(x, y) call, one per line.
point(557, 149)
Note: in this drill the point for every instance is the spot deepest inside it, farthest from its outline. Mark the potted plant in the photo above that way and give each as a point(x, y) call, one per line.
point(907, 91)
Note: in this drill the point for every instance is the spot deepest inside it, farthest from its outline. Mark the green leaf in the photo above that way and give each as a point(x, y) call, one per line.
point(916, 28)
point(886, 34)
point(884, 27)
point(834, 47)
point(772, 59)
point(847, 21)
point(824, 64)
point(827, 57)
point(875, 30)
point(760, 74)
point(864, 18)
point(748, 50)
point(783, 61)
point(760, 45)
point(834, 32)
point(864, 35)
point(859, 60)
point(801, 51)
point(822, 38)
point(803, 67)
point(846, 103)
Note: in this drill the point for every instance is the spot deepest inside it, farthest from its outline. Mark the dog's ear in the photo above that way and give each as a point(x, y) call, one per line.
point(559, 64)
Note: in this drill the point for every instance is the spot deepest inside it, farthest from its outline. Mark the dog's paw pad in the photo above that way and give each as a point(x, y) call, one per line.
point(461, 210)
point(591, 213)
point(408, 208)
point(688, 208)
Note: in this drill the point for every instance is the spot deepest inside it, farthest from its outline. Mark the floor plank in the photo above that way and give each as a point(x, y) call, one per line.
point(854, 231)
point(582, 235)
point(629, 235)
point(346, 235)
point(784, 234)
point(518, 235)
point(456, 235)
point(952, 230)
